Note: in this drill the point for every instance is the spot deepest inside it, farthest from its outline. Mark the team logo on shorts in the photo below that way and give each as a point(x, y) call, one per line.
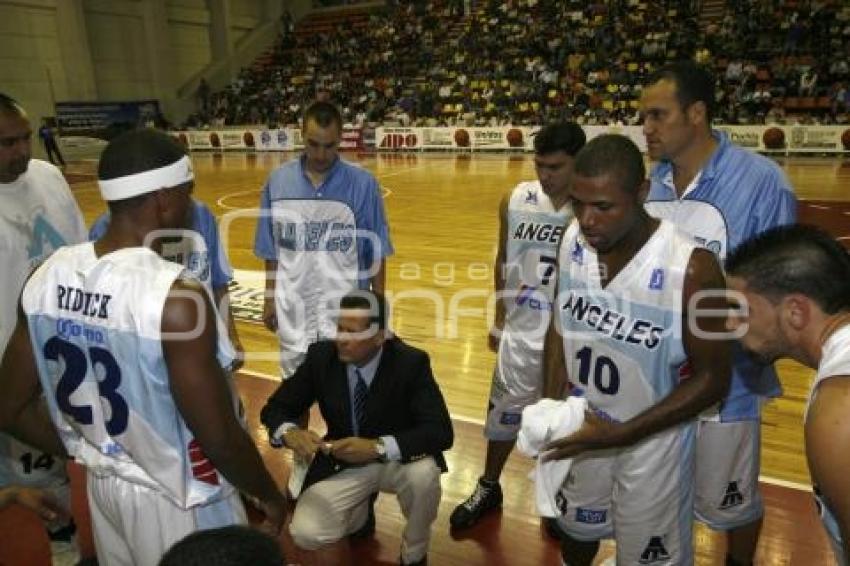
point(562, 503)
point(654, 552)
point(591, 516)
point(733, 496)
point(656, 280)
point(510, 418)
point(199, 264)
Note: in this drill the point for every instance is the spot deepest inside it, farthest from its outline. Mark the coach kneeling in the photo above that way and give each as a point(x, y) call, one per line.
point(387, 427)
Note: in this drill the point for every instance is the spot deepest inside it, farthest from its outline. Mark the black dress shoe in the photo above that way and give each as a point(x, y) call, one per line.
point(368, 528)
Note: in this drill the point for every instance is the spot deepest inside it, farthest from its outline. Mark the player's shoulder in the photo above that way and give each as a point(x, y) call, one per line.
point(202, 218)
point(523, 187)
point(202, 208)
point(285, 170)
point(751, 163)
point(43, 167)
point(41, 170)
point(525, 192)
point(355, 171)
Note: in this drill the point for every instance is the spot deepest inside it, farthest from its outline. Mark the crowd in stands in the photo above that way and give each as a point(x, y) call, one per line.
point(496, 62)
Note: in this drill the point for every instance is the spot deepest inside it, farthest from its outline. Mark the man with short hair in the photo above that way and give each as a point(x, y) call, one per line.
point(38, 215)
point(630, 312)
point(236, 545)
point(532, 218)
point(199, 249)
point(113, 345)
point(388, 426)
point(791, 287)
point(322, 232)
point(722, 195)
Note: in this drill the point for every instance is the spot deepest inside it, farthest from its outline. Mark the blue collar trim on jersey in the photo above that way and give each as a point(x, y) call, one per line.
point(665, 168)
point(331, 172)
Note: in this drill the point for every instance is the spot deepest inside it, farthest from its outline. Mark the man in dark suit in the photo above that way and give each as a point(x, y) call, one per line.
point(387, 427)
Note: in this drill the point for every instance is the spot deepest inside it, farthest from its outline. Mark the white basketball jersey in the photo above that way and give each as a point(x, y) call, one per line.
point(834, 362)
point(317, 265)
point(623, 343)
point(534, 230)
point(95, 326)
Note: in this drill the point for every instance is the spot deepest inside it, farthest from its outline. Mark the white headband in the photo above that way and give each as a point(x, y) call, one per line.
point(136, 184)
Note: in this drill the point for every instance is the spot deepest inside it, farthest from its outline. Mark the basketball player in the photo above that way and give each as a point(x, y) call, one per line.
point(130, 357)
point(200, 251)
point(322, 232)
point(532, 219)
point(721, 195)
point(629, 290)
point(38, 215)
point(795, 282)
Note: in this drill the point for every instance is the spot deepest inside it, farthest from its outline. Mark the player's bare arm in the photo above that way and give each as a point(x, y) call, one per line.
point(379, 280)
point(555, 379)
point(23, 410)
point(499, 276)
point(709, 357)
point(827, 429)
point(222, 299)
point(204, 399)
point(39, 500)
point(269, 311)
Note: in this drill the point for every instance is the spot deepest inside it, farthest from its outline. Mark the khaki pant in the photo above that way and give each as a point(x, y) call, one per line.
point(338, 506)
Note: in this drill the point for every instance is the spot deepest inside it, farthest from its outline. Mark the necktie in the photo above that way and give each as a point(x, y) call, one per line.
point(360, 392)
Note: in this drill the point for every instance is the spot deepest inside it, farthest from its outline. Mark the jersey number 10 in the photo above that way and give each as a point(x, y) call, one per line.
point(603, 365)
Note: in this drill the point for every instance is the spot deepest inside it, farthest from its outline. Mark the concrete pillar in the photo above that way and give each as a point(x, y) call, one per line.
point(76, 55)
point(273, 10)
point(221, 36)
point(155, 15)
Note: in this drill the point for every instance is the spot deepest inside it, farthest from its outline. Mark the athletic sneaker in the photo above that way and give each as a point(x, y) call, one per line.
point(63, 545)
point(487, 496)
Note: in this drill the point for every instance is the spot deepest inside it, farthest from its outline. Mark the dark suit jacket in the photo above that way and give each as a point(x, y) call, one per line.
point(404, 401)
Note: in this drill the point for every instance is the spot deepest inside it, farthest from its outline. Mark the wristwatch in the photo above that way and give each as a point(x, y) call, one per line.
point(381, 449)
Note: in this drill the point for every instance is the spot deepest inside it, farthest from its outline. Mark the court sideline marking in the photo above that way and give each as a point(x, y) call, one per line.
point(220, 200)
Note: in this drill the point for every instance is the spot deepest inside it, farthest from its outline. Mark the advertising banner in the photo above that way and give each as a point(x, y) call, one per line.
point(399, 138)
point(352, 139)
point(762, 138)
point(104, 120)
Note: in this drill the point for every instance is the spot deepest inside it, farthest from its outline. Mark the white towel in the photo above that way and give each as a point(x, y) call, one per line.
point(543, 422)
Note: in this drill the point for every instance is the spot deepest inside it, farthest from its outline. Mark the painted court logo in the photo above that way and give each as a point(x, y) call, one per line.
point(654, 552)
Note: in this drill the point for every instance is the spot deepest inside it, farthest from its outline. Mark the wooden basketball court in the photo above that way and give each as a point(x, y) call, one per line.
point(442, 210)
